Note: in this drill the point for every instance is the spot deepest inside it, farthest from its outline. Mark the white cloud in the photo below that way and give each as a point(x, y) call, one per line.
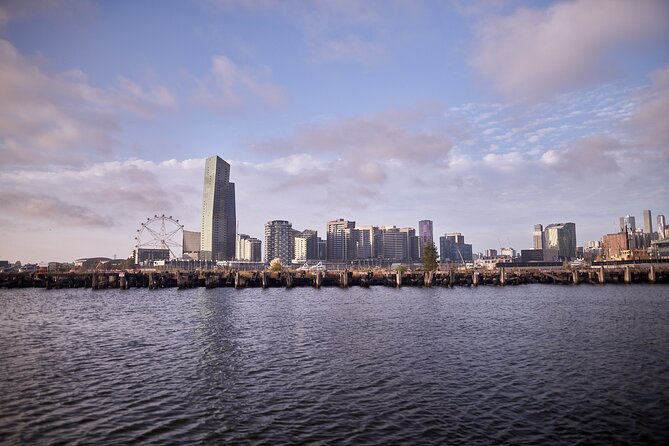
point(596, 154)
point(506, 161)
point(61, 118)
point(538, 52)
point(230, 87)
point(650, 120)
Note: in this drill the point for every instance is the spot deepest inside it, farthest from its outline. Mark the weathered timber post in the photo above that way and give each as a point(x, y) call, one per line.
point(94, 281)
point(574, 277)
point(264, 279)
point(237, 280)
point(289, 279)
point(398, 278)
point(124, 281)
point(475, 278)
point(628, 275)
point(112, 280)
point(152, 281)
point(451, 278)
point(600, 275)
point(181, 281)
point(317, 282)
point(343, 279)
point(651, 274)
point(502, 276)
point(427, 278)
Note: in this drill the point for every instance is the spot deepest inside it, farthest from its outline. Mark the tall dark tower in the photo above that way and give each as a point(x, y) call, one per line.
point(218, 212)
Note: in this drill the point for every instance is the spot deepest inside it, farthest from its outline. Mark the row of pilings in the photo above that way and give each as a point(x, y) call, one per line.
point(291, 278)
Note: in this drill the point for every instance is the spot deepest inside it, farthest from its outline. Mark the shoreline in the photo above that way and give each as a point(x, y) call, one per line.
point(506, 276)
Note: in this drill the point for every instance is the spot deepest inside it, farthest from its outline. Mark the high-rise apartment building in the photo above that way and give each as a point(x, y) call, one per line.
point(648, 223)
point(661, 223)
point(452, 247)
point(412, 244)
point(278, 241)
point(394, 244)
point(627, 223)
point(561, 236)
point(368, 242)
point(490, 253)
point(425, 235)
point(305, 245)
point(538, 237)
point(218, 212)
point(248, 249)
point(339, 240)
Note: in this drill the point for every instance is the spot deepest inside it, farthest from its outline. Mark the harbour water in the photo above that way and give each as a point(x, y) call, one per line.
point(517, 365)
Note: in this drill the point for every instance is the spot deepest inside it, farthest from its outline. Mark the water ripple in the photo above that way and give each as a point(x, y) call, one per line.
point(517, 365)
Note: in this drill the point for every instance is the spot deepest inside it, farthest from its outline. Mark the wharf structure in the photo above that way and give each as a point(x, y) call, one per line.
point(503, 275)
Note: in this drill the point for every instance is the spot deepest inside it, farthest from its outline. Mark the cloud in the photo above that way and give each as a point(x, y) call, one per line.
point(596, 154)
point(506, 162)
point(650, 120)
point(398, 134)
point(539, 52)
point(21, 9)
point(143, 101)
point(230, 87)
point(49, 208)
point(348, 48)
point(61, 118)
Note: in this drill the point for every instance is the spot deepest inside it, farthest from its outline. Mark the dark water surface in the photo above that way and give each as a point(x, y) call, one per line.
point(515, 365)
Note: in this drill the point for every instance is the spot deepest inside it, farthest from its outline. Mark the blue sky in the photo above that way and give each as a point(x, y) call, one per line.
point(486, 117)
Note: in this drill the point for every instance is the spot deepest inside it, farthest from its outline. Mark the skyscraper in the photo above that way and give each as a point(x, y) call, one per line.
point(278, 241)
point(627, 223)
point(538, 237)
point(561, 236)
point(452, 247)
point(218, 212)
point(661, 232)
point(339, 240)
point(425, 235)
point(648, 223)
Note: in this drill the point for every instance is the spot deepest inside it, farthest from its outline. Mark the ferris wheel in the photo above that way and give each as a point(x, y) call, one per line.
point(161, 232)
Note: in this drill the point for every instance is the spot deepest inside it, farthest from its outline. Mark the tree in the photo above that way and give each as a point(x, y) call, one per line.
point(275, 265)
point(430, 257)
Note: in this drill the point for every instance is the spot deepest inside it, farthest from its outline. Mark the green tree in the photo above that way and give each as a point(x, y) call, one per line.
point(430, 257)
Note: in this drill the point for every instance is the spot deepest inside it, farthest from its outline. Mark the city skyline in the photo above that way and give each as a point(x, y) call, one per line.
point(385, 113)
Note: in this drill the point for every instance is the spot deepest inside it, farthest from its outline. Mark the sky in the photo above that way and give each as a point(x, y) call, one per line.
point(485, 117)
